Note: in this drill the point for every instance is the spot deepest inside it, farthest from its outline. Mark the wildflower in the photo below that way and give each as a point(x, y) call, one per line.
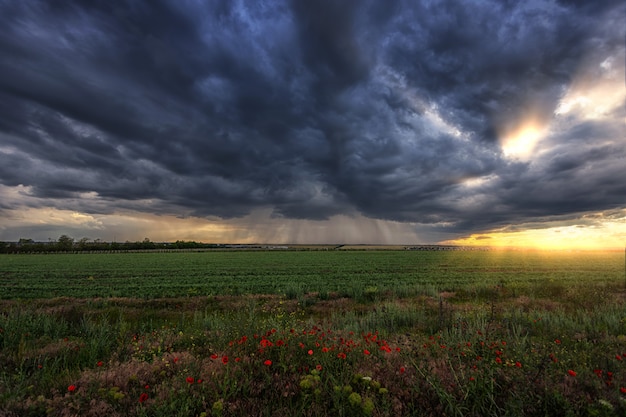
point(224, 360)
point(557, 341)
point(402, 369)
point(143, 397)
point(366, 352)
point(267, 363)
point(175, 360)
point(190, 380)
point(71, 388)
point(214, 356)
point(147, 386)
point(518, 364)
point(199, 381)
point(622, 390)
point(310, 352)
point(237, 359)
point(341, 355)
point(318, 367)
point(571, 373)
point(99, 364)
point(498, 360)
point(618, 357)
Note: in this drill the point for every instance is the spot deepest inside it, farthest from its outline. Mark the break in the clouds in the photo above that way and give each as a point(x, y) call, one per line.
point(447, 117)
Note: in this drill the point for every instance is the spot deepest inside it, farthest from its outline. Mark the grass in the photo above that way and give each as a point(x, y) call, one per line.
point(382, 334)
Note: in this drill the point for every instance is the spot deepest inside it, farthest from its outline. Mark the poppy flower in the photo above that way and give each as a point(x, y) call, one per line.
point(518, 364)
point(402, 369)
point(267, 363)
point(318, 367)
point(498, 360)
point(224, 359)
point(190, 380)
point(622, 390)
point(366, 352)
point(71, 388)
point(310, 352)
point(99, 363)
point(143, 397)
point(571, 373)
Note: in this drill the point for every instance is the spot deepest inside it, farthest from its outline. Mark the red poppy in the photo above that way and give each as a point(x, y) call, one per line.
point(267, 363)
point(143, 397)
point(557, 341)
point(214, 356)
point(571, 373)
point(341, 355)
point(237, 359)
point(310, 352)
point(224, 359)
point(190, 380)
point(518, 364)
point(175, 360)
point(618, 357)
point(402, 369)
point(498, 360)
point(100, 363)
point(318, 367)
point(200, 381)
point(366, 352)
point(622, 390)
point(71, 388)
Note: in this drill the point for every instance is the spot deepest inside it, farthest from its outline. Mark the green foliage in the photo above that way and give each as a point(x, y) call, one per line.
point(461, 334)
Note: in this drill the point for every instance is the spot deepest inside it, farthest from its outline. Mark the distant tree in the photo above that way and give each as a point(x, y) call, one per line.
point(83, 244)
point(24, 241)
point(65, 242)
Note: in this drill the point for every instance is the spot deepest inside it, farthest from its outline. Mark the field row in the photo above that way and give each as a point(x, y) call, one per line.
point(349, 273)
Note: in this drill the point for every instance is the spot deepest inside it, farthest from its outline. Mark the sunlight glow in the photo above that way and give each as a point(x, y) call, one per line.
point(608, 235)
point(521, 142)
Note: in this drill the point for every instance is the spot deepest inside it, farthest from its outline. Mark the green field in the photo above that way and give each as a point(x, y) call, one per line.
point(313, 333)
point(154, 275)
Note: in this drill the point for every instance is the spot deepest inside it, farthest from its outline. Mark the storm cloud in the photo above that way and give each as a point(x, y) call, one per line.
point(394, 110)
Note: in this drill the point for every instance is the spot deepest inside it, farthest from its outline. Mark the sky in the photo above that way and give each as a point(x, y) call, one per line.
point(479, 122)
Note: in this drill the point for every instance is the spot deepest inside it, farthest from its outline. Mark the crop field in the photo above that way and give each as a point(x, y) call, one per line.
point(313, 333)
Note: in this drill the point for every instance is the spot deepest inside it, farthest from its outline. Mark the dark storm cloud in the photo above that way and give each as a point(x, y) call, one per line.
point(308, 108)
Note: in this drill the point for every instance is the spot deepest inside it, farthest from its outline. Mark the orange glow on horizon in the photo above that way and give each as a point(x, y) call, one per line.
point(608, 236)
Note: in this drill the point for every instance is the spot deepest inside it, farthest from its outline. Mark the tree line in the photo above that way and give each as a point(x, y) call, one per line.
point(68, 244)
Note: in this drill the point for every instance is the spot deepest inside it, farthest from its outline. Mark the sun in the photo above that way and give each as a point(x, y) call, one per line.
point(521, 142)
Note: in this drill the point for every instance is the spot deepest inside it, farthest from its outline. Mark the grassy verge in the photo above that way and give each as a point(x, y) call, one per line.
point(492, 350)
